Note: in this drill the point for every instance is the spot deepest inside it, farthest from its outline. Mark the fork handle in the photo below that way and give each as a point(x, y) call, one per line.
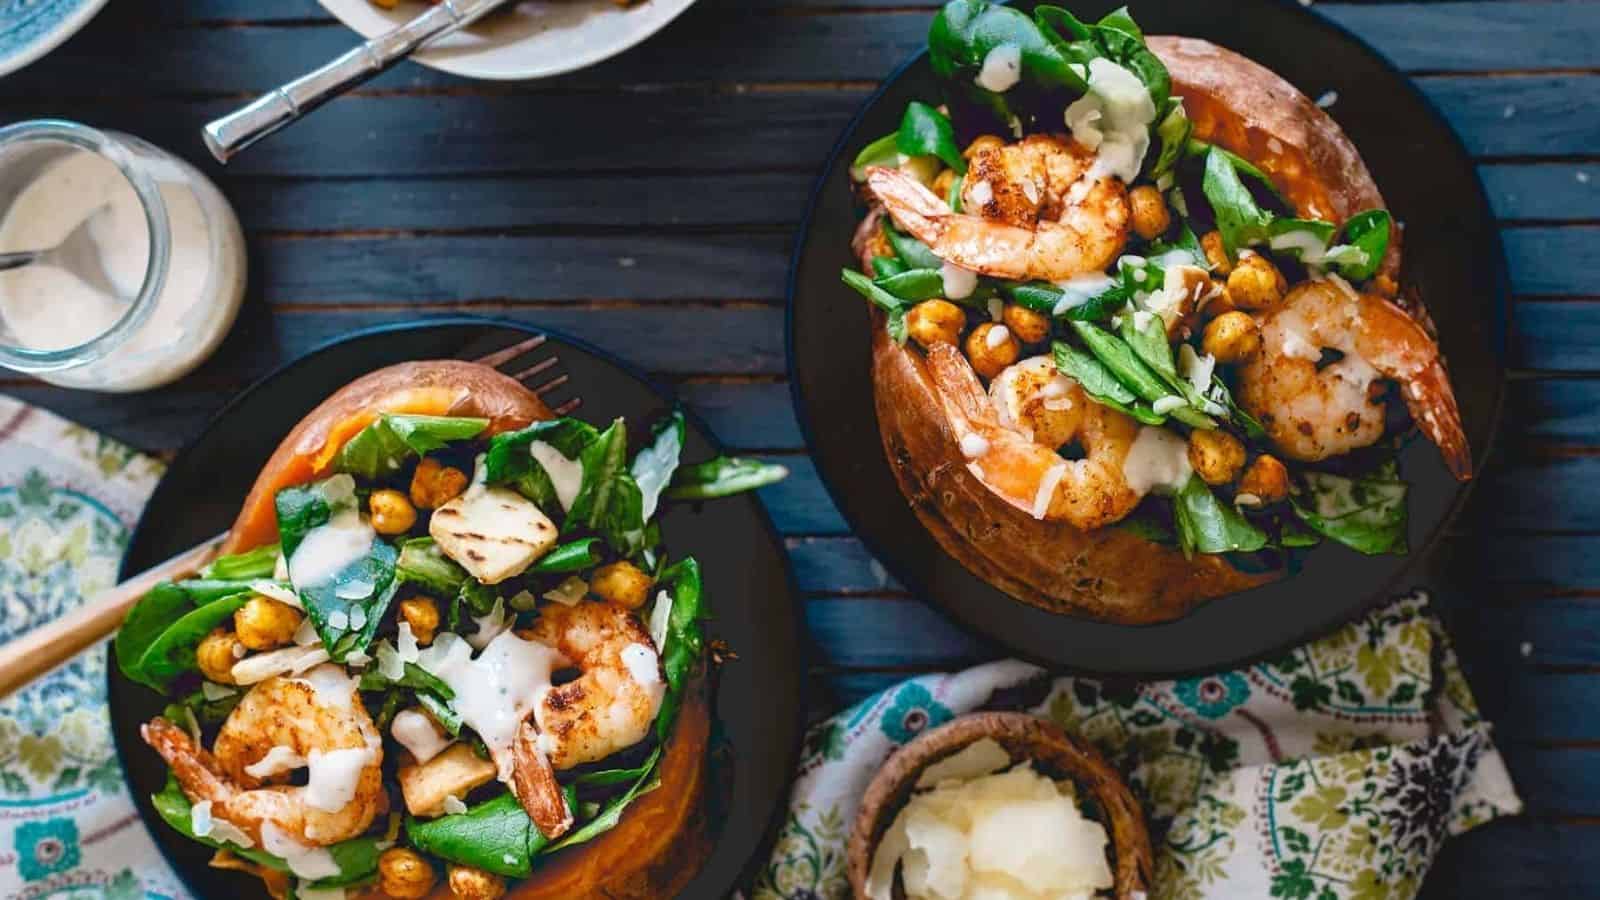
point(272, 111)
point(28, 656)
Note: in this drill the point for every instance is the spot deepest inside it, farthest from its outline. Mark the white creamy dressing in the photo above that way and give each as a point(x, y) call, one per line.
point(204, 824)
point(1113, 119)
point(333, 776)
point(490, 626)
point(1158, 460)
point(310, 863)
point(997, 335)
point(46, 308)
point(973, 445)
point(331, 547)
point(279, 759)
point(660, 617)
point(417, 733)
point(1002, 69)
point(1309, 247)
point(333, 686)
point(1163, 405)
point(1047, 489)
point(1080, 289)
point(495, 692)
point(566, 475)
point(958, 282)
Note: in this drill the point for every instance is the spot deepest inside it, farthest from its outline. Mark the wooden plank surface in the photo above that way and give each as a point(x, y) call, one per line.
point(660, 230)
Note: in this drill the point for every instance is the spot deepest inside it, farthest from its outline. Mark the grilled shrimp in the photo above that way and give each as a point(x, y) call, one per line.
point(1010, 439)
point(316, 719)
point(607, 708)
point(1313, 411)
point(1037, 209)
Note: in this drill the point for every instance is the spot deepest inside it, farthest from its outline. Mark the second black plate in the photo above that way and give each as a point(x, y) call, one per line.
point(1452, 253)
point(747, 585)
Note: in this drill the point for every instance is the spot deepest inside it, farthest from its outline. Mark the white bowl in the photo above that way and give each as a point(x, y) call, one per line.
point(31, 28)
point(530, 39)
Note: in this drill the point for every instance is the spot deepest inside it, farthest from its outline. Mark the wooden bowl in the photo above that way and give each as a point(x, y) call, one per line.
point(1053, 752)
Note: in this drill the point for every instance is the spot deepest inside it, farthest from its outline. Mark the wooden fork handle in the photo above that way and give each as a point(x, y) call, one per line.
point(28, 656)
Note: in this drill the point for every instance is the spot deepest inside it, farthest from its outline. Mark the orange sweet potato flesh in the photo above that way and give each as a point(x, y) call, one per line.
point(439, 387)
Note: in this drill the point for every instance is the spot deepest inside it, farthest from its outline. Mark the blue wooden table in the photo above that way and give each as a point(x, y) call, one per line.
point(647, 205)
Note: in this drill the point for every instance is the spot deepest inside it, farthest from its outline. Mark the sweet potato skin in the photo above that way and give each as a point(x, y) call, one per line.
point(438, 387)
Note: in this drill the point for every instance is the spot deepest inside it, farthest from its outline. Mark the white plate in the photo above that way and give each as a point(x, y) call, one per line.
point(531, 39)
point(31, 28)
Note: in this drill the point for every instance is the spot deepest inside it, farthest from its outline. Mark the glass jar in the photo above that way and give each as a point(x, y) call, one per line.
point(158, 269)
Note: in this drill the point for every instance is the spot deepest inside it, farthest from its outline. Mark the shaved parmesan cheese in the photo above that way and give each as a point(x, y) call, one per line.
point(1002, 68)
point(997, 309)
point(981, 193)
point(306, 634)
point(279, 759)
point(284, 661)
point(642, 663)
point(339, 620)
point(312, 863)
point(390, 665)
point(958, 282)
point(566, 475)
point(660, 617)
point(278, 592)
point(406, 643)
point(984, 756)
point(1196, 368)
point(214, 692)
point(568, 592)
point(453, 806)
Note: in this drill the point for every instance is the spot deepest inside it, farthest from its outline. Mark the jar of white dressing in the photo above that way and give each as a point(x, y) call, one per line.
point(151, 281)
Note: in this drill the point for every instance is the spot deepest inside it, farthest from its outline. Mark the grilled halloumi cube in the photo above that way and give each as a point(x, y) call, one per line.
point(493, 532)
point(454, 773)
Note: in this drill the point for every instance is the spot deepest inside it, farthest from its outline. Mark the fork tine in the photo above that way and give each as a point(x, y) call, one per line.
point(500, 357)
point(566, 408)
point(536, 368)
point(552, 384)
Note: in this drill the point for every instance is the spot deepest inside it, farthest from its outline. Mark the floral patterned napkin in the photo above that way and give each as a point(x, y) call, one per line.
point(68, 829)
point(1331, 773)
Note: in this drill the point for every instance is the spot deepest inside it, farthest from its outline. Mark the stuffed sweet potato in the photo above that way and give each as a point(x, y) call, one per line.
point(1135, 338)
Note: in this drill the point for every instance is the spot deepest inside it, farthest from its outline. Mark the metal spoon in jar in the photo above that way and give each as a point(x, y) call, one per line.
point(77, 254)
point(238, 130)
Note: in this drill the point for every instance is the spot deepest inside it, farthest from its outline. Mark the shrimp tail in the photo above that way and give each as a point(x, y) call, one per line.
point(962, 394)
point(1433, 407)
point(192, 765)
point(533, 780)
point(911, 205)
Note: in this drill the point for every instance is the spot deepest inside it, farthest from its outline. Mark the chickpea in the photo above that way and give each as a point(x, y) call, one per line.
point(622, 583)
point(422, 614)
point(935, 321)
point(435, 484)
point(1151, 219)
point(392, 513)
point(216, 655)
point(981, 143)
point(1255, 283)
point(1232, 337)
point(264, 623)
point(468, 883)
point(943, 183)
point(1216, 253)
point(1029, 327)
point(991, 348)
point(1266, 479)
point(403, 874)
point(1216, 455)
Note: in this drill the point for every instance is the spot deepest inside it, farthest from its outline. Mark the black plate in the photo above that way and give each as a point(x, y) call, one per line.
point(759, 709)
point(1453, 254)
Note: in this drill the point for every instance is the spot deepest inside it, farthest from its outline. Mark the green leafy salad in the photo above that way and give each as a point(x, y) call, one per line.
point(466, 651)
point(1053, 218)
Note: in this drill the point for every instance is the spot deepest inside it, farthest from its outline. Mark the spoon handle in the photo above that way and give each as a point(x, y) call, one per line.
point(18, 259)
point(228, 135)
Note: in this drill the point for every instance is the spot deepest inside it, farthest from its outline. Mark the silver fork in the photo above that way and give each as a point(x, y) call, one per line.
point(29, 656)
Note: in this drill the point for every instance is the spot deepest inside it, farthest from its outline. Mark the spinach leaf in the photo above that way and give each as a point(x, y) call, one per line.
point(574, 556)
point(509, 458)
point(914, 253)
point(1197, 149)
point(145, 622)
point(880, 298)
point(724, 476)
point(347, 608)
point(1101, 386)
point(1125, 364)
point(882, 152)
point(1366, 513)
point(211, 712)
point(1043, 298)
point(384, 446)
point(685, 643)
point(1208, 525)
point(1365, 238)
point(1172, 134)
point(610, 501)
point(1292, 533)
point(654, 464)
point(495, 835)
point(411, 676)
point(300, 509)
point(924, 131)
point(442, 713)
point(609, 777)
point(965, 31)
point(1239, 219)
point(356, 858)
point(885, 266)
point(171, 653)
point(914, 285)
point(612, 813)
point(258, 563)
